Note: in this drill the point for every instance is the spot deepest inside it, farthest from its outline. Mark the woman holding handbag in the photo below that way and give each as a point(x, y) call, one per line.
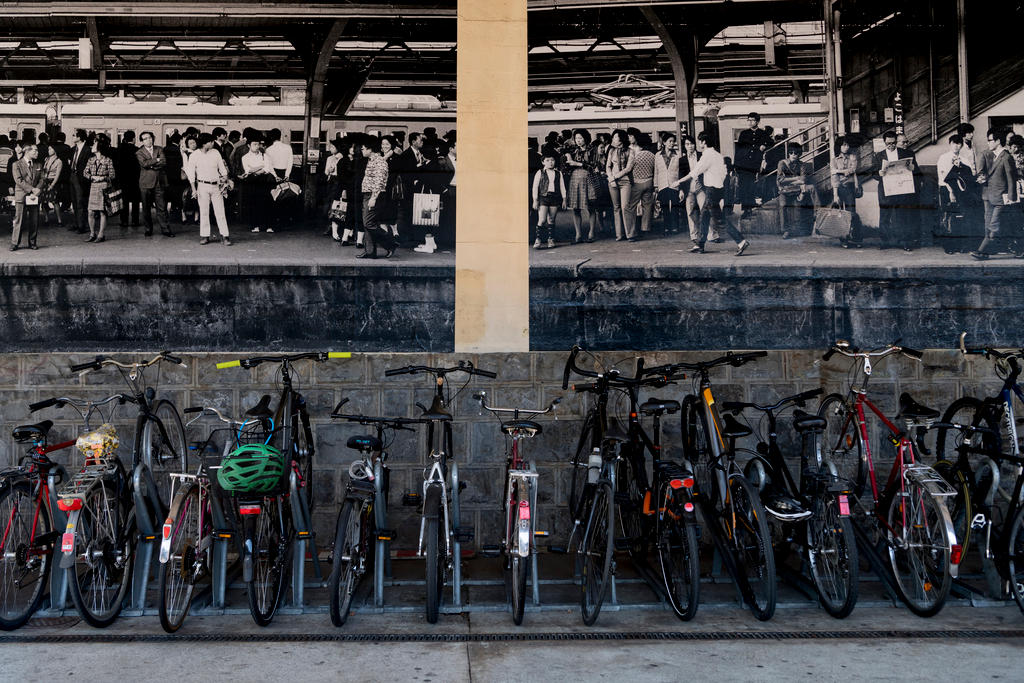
point(100, 171)
point(846, 188)
point(619, 169)
point(387, 203)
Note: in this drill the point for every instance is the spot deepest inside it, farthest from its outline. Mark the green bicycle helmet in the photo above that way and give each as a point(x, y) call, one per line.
point(252, 468)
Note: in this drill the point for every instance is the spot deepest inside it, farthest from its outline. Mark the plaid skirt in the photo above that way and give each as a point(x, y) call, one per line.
point(581, 190)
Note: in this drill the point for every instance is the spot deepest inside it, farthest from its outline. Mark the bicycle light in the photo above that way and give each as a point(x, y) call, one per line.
point(685, 483)
point(956, 553)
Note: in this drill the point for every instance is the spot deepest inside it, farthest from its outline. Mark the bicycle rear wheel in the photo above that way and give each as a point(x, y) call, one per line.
point(349, 556)
point(517, 568)
point(104, 548)
point(678, 554)
point(697, 447)
point(752, 545)
point(841, 441)
point(960, 506)
point(579, 472)
point(270, 560)
point(164, 453)
point(436, 536)
point(832, 556)
point(596, 550)
point(1015, 560)
point(919, 549)
point(24, 562)
point(179, 574)
point(630, 500)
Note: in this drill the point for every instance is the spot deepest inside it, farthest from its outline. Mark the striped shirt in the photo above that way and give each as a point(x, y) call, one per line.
point(375, 179)
point(643, 166)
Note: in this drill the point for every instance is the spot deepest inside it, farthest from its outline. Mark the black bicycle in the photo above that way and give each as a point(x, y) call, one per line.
point(159, 432)
point(439, 525)
point(811, 510)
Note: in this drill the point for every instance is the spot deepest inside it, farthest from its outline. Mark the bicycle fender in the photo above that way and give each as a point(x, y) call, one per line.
point(172, 515)
point(67, 541)
point(432, 502)
point(932, 482)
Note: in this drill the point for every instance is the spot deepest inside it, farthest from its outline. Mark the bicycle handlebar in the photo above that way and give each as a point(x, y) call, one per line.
point(799, 399)
point(254, 361)
point(656, 377)
point(392, 422)
point(482, 397)
point(61, 401)
point(205, 410)
point(989, 352)
point(463, 366)
point(100, 361)
point(843, 348)
point(730, 358)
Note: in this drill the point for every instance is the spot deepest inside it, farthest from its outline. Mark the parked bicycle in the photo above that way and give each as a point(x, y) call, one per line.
point(609, 466)
point(732, 510)
point(907, 518)
point(362, 534)
point(439, 525)
point(270, 481)
point(520, 499)
point(27, 504)
point(810, 510)
point(159, 433)
point(977, 450)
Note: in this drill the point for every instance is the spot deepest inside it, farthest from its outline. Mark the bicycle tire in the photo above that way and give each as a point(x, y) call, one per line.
point(17, 511)
point(579, 472)
point(178, 575)
point(630, 500)
point(348, 557)
point(1015, 558)
point(752, 546)
point(435, 556)
point(925, 583)
point(516, 570)
point(960, 506)
point(102, 570)
point(164, 455)
point(596, 550)
point(678, 554)
point(270, 563)
point(697, 447)
point(304, 453)
point(841, 438)
point(831, 551)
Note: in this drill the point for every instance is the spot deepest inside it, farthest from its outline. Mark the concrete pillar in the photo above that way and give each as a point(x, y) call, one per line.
point(830, 77)
point(961, 60)
point(682, 52)
point(315, 81)
point(492, 302)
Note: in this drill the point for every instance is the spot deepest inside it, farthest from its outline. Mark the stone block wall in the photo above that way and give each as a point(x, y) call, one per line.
point(524, 380)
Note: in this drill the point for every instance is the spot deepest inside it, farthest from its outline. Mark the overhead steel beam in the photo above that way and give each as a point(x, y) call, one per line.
point(548, 5)
point(682, 49)
point(227, 9)
point(315, 82)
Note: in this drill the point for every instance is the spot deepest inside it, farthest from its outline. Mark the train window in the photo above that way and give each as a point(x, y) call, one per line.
point(27, 132)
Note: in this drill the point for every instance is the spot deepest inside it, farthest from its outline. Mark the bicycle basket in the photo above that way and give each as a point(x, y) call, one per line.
point(251, 468)
point(100, 445)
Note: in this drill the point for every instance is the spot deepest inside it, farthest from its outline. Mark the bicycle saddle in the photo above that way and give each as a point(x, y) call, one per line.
point(657, 406)
point(733, 429)
point(526, 428)
point(261, 409)
point(804, 422)
point(23, 433)
point(911, 409)
point(365, 444)
point(436, 411)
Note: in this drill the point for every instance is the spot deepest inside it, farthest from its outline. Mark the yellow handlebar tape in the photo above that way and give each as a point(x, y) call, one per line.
point(339, 354)
point(229, 364)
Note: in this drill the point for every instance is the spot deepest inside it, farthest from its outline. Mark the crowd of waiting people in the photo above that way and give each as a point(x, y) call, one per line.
point(368, 185)
point(621, 182)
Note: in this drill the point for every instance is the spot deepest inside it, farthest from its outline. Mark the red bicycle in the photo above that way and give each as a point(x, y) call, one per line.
point(26, 511)
point(908, 517)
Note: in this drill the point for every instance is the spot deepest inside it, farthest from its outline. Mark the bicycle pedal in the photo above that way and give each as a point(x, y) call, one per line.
point(464, 534)
point(490, 551)
point(540, 534)
point(558, 549)
point(386, 534)
point(412, 500)
point(979, 521)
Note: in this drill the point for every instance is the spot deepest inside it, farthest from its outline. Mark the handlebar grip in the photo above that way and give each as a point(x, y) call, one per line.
point(339, 354)
point(588, 386)
point(733, 405)
point(229, 364)
point(173, 359)
point(193, 409)
point(828, 354)
point(396, 371)
point(91, 365)
point(569, 362)
point(46, 403)
point(913, 353)
point(810, 394)
point(337, 408)
point(485, 373)
point(756, 354)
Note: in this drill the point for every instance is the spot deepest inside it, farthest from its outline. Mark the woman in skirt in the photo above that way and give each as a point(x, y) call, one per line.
point(100, 172)
point(387, 202)
point(581, 188)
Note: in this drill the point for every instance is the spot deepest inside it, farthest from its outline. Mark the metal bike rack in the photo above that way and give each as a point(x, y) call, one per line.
point(456, 546)
point(58, 574)
point(149, 532)
point(302, 519)
point(381, 549)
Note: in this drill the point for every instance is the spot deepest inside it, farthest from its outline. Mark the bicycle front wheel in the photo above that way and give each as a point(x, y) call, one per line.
point(752, 545)
point(164, 452)
point(596, 550)
point(841, 440)
point(919, 549)
point(269, 562)
point(24, 562)
point(179, 574)
point(516, 569)
point(1015, 563)
point(832, 557)
point(435, 567)
point(104, 549)
point(678, 554)
point(349, 556)
point(697, 447)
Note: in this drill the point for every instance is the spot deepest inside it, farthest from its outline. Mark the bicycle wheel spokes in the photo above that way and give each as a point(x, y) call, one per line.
point(678, 555)
point(268, 564)
point(752, 546)
point(350, 547)
point(23, 565)
point(596, 548)
point(832, 556)
point(164, 452)
point(101, 569)
point(179, 574)
point(1015, 562)
point(919, 549)
point(841, 444)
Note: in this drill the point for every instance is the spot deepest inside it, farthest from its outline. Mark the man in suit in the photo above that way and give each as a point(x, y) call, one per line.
point(127, 169)
point(413, 165)
point(173, 172)
point(152, 183)
point(29, 181)
point(80, 155)
point(64, 152)
point(896, 224)
point(998, 172)
point(750, 148)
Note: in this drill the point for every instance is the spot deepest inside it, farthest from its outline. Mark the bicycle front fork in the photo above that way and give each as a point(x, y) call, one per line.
point(520, 512)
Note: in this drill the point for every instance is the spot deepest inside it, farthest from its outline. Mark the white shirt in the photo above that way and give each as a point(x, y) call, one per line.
point(451, 158)
point(945, 164)
point(205, 166)
point(712, 167)
point(279, 155)
point(255, 162)
point(893, 155)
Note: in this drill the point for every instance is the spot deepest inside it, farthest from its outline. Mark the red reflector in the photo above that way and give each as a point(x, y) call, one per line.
point(524, 510)
point(167, 529)
point(69, 504)
point(688, 507)
point(956, 553)
point(248, 509)
point(632, 414)
point(686, 483)
point(844, 505)
point(67, 543)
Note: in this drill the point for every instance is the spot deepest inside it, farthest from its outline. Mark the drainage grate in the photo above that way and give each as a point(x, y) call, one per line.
point(510, 637)
point(52, 622)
